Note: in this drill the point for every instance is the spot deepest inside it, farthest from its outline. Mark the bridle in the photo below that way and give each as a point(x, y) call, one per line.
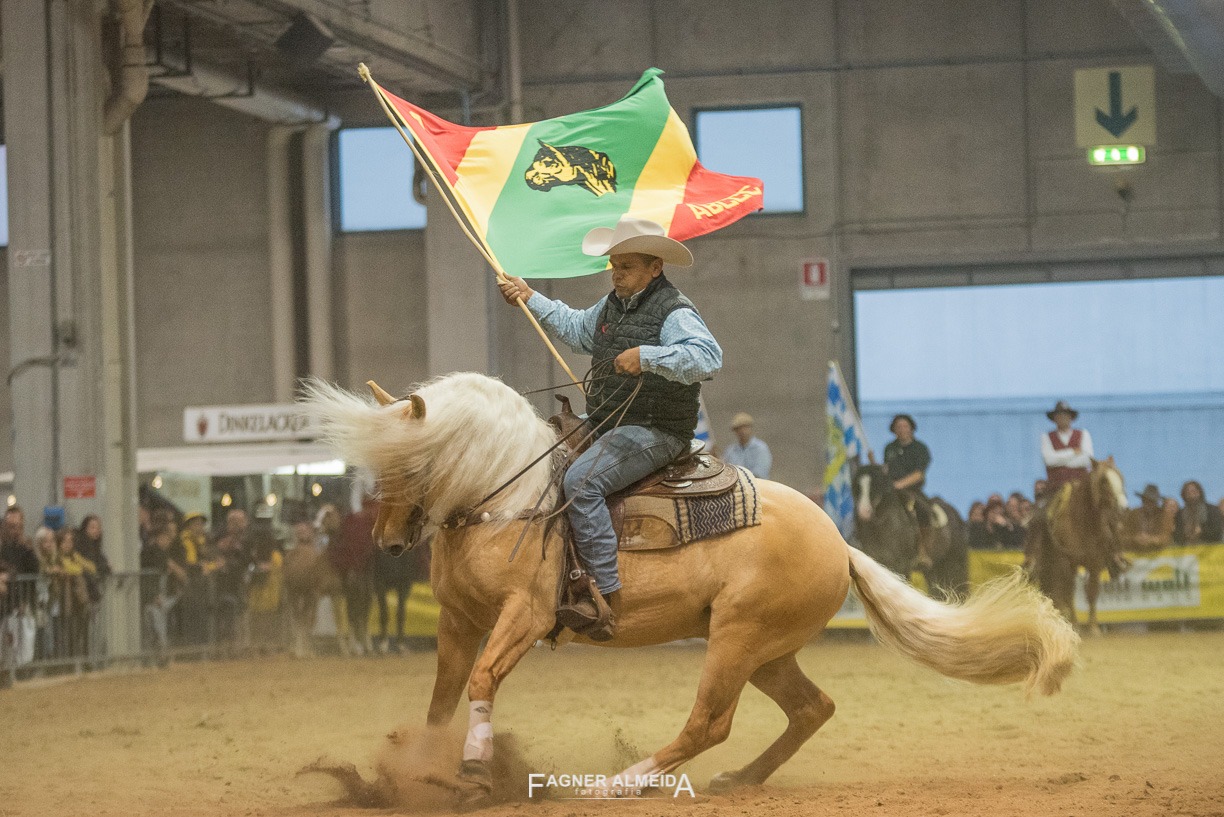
point(473, 515)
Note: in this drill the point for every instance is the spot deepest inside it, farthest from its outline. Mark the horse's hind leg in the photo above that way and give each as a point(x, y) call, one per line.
point(806, 708)
point(728, 665)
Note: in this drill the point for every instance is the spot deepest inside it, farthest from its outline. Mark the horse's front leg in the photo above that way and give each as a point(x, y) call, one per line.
point(458, 643)
point(1092, 590)
point(517, 628)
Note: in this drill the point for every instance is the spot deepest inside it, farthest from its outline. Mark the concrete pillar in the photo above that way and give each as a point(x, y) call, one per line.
point(280, 262)
point(317, 226)
point(458, 294)
point(32, 266)
point(70, 275)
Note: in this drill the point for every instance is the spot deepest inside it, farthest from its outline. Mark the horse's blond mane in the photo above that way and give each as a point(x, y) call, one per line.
point(476, 434)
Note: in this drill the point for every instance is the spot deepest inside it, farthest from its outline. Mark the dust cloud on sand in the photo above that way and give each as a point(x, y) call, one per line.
point(414, 772)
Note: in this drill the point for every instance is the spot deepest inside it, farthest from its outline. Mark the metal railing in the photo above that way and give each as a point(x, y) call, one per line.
point(53, 624)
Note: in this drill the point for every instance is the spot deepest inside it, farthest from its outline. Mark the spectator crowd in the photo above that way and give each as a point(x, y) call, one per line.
point(1158, 521)
point(221, 590)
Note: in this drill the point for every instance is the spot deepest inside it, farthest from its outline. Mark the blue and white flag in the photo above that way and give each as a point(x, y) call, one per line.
point(845, 443)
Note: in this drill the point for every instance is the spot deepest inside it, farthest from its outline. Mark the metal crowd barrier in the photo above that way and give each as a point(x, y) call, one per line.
point(59, 624)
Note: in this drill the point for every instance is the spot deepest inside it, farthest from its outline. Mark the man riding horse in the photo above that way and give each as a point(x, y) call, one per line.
point(644, 328)
point(1067, 451)
point(906, 460)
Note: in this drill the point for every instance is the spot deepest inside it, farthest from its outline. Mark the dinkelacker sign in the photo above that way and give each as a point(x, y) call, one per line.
point(222, 424)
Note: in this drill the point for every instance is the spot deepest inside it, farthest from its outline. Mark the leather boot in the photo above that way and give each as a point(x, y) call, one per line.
point(578, 616)
point(605, 629)
point(590, 616)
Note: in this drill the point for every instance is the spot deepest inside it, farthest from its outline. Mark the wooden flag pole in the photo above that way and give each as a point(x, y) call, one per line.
point(463, 225)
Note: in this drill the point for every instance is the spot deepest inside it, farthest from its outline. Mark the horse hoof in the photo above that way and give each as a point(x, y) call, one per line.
point(476, 782)
point(476, 773)
point(724, 782)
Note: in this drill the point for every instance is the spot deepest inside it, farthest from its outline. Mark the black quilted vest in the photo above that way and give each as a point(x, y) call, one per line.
point(664, 404)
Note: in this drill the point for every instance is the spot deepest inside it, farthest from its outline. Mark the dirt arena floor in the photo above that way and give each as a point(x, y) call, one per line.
point(1139, 730)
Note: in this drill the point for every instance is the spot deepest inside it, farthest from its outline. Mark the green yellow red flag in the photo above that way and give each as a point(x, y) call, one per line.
point(530, 192)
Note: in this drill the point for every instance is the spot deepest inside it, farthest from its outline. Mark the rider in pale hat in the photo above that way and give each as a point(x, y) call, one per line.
point(748, 450)
point(1067, 451)
point(644, 331)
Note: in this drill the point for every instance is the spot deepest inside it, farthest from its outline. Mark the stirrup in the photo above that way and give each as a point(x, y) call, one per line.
point(589, 616)
point(578, 616)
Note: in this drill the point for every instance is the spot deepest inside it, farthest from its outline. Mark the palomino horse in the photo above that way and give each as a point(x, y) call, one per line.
point(1079, 527)
point(888, 533)
point(446, 457)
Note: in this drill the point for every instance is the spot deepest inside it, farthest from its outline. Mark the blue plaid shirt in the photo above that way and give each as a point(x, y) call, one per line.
point(687, 352)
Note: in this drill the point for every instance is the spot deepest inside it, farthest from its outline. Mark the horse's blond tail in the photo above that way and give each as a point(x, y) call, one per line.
point(1005, 632)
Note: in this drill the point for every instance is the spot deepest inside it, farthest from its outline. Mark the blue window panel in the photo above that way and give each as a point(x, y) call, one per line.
point(979, 367)
point(376, 182)
point(1151, 336)
point(763, 142)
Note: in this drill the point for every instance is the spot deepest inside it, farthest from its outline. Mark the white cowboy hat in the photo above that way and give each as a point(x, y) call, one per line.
point(637, 235)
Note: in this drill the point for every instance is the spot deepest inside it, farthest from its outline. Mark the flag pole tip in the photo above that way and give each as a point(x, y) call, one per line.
point(363, 71)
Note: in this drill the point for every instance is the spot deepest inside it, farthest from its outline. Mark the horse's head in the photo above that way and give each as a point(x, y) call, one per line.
point(869, 485)
point(401, 516)
point(476, 436)
point(1107, 487)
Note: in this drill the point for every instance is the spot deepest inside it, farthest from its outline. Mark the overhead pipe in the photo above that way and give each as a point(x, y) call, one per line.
point(514, 65)
point(239, 94)
point(131, 74)
point(182, 73)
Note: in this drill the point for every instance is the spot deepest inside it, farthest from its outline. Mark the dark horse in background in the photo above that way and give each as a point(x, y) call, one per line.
point(888, 531)
point(1080, 526)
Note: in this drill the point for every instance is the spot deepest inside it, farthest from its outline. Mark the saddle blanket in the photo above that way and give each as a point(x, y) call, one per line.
point(656, 523)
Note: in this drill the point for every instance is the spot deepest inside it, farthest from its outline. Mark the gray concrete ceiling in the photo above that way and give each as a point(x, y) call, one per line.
point(229, 48)
point(1185, 35)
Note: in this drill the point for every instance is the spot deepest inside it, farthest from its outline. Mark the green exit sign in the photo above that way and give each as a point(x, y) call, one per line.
point(1116, 155)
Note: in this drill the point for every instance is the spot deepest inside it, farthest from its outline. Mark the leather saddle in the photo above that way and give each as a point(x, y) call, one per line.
point(693, 473)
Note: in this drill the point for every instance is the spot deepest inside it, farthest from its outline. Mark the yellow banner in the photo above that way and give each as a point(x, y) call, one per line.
point(420, 613)
point(1173, 584)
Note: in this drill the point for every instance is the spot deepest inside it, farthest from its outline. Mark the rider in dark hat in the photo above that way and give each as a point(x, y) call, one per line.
point(1067, 451)
point(906, 460)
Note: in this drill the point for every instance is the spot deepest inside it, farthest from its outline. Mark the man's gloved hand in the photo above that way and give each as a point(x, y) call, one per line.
point(513, 288)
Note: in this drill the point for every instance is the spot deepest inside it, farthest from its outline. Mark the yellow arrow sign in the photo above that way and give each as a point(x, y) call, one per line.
point(1115, 106)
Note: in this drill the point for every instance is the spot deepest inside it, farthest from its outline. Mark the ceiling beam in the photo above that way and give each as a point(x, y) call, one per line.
point(409, 49)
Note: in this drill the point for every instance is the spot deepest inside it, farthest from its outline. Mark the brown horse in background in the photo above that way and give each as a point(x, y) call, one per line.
point(467, 447)
point(309, 576)
point(948, 575)
point(1079, 527)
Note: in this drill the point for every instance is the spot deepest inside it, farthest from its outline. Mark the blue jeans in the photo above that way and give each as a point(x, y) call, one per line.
point(614, 461)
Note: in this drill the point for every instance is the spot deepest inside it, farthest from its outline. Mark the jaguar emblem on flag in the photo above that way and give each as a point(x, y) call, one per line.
point(571, 164)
